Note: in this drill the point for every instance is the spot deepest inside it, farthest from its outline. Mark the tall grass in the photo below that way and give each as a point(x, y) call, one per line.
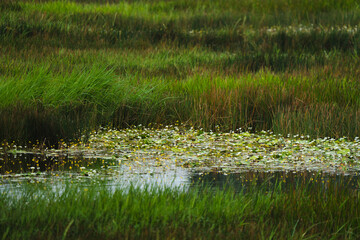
point(93, 212)
point(289, 65)
point(97, 30)
point(44, 105)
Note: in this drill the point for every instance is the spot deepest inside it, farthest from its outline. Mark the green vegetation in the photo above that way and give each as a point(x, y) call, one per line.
point(219, 72)
point(280, 187)
point(92, 212)
point(290, 66)
point(145, 150)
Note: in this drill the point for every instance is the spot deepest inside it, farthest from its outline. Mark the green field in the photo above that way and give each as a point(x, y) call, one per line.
point(289, 66)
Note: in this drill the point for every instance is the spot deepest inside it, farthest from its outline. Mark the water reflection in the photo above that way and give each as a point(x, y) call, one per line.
point(242, 181)
point(58, 170)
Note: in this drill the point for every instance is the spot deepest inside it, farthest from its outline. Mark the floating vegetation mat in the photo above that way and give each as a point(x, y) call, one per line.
point(174, 153)
point(225, 152)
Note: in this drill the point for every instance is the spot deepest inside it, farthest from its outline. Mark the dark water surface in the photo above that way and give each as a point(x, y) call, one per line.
point(288, 180)
point(18, 168)
point(20, 163)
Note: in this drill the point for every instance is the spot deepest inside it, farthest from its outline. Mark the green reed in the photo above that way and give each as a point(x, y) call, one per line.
point(92, 211)
point(68, 66)
point(46, 105)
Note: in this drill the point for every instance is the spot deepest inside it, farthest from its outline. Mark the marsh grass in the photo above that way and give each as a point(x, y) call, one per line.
point(70, 66)
point(93, 211)
point(48, 106)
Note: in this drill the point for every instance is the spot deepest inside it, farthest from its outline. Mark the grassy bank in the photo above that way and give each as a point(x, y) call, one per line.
point(47, 105)
point(92, 212)
point(288, 66)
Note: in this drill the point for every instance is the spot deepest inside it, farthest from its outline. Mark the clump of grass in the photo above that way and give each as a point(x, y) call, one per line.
point(43, 105)
point(94, 212)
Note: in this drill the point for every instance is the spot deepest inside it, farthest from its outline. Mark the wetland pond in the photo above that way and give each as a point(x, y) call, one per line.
point(178, 157)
